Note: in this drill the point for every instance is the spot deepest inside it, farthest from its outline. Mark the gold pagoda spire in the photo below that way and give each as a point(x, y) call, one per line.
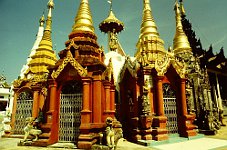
point(180, 40)
point(83, 19)
point(149, 39)
point(45, 56)
point(41, 21)
point(182, 8)
point(148, 26)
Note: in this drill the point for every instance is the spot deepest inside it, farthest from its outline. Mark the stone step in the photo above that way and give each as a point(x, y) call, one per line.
point(39, 142)
point(63, 145)
point(44, 135)
point(46, 128)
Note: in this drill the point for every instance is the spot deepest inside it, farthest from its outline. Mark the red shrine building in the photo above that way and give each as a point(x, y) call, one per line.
point(152, 86)
point(73, 95)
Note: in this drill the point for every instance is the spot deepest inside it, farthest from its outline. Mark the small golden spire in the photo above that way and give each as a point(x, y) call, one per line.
point(182, 8)
point(148, 26)
point(83, 20)
point(41, 21)
point(180, 40)
point(110, 2)
point(50, 4)
point(44, 56)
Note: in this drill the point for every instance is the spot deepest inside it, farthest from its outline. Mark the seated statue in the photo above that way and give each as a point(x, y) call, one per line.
point(30, 129)
point(109, 132)
point(110, 137)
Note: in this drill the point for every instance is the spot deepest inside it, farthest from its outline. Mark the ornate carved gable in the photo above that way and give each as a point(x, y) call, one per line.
point(131, 66)
point(31, 79)
point(162, 65)
point(179, 67)
point(69, 59)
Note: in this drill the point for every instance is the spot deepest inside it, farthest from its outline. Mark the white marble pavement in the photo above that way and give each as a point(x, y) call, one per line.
point(196, 144)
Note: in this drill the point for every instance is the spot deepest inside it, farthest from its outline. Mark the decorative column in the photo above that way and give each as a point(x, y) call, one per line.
point(90, 118)
point(145, 117)
point(52, 105)
point(15, 96)
point(159, 120)
point(112, 101)
point(35, 109)
point(97, 97)
point(218, 93)
point(159, 91)
point(135, 120)
point(86, 112)
point(220, 107)
point(183, 96)
point(107, 98)
point(186, 127)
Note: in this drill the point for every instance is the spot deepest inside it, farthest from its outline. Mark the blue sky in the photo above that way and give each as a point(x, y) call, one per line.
point(19, 25)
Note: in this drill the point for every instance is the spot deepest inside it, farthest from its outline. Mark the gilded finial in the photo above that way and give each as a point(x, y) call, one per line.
point(41, 21)
point(83, 20)
point(180, 40)
point(110, 2)
point(50, 4)
point(182, 8)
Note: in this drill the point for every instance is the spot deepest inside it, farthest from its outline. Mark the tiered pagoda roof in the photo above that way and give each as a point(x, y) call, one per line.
point(85, 49)
point(148, 33)
point(44, 56)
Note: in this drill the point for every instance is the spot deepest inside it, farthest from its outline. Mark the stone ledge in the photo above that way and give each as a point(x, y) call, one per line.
point(100, 147)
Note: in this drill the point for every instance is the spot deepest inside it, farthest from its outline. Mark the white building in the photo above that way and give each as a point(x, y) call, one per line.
point(4, 93)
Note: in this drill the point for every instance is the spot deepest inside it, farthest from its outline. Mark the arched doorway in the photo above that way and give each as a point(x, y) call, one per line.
point(70, 112)
point(23, 110)
point(170, 108)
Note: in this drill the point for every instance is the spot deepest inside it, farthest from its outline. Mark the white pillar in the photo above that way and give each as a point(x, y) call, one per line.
point(219, 93)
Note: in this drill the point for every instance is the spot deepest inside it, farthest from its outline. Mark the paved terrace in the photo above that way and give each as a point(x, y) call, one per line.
point(215, 142)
